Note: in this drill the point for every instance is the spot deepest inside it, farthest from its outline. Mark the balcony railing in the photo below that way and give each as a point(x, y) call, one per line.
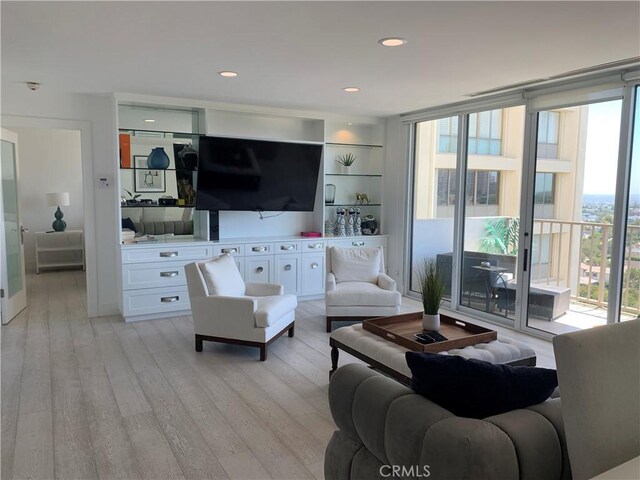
point(578, 257)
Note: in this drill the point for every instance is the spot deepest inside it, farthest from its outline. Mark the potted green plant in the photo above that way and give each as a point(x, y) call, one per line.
point(134, 198)
point(432, 292)
point(346, 160)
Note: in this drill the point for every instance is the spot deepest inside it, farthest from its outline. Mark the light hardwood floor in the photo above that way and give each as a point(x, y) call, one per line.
point(98, 398)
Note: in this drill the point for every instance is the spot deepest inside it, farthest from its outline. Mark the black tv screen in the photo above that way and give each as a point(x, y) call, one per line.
point(258, 175)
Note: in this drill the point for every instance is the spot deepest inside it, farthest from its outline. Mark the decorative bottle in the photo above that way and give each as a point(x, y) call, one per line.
point(340, 230)
point(350, 222)
point(357, 227)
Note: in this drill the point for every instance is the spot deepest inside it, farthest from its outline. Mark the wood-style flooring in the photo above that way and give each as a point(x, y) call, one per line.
point(99, 398)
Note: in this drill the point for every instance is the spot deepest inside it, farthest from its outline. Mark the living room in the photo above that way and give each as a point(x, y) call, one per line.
point(317, 74)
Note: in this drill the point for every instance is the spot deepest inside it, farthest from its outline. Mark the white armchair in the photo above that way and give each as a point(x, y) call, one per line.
point(227, 310)
point(356, 286)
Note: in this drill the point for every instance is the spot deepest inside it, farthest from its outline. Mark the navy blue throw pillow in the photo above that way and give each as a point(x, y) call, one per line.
point(477, 389)
point(128, 223)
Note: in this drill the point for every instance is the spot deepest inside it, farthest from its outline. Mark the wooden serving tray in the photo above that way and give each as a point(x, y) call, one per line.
point(400, 329)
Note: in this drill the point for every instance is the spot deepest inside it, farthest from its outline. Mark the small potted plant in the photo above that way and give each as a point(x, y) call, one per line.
point(134, 198)
point(346, 160)
point(432, 292)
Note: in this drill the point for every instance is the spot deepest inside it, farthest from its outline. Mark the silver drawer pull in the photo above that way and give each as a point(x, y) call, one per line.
point(168, 254)
point(357, 244)
point(259, 249)
point(259, 269)
point(229, 250)
point(314, 265)
point(169, 274)
point(170, 299)
point(287, 247)
point(314, 245)
point(287, 267)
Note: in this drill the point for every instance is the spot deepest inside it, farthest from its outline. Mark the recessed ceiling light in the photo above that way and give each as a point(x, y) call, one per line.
point(228, 74)
point(351, 89)
point(392, 42)
point(149, 120)
point(349, 123)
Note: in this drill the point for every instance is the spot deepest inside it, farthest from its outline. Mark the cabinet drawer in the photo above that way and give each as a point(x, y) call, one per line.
point(311, 246)
point(252, 249)
point(155, 300)
point(359, 242)
point(236, 249)
point(284, 248)
point(167, 253)
point(143, 275)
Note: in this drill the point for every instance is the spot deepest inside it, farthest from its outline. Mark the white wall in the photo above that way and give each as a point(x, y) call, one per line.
point(49, 161)
point(96, 117)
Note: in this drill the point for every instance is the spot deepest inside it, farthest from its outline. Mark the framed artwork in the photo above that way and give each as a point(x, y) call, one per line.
point(146, 180)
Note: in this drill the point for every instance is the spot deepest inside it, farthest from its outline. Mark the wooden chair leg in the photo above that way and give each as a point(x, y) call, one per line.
point(198, 343)
point(328, 325)
point(263, 353)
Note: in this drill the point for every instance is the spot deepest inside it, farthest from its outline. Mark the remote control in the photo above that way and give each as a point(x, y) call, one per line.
point(437, 336)
point(422, 338)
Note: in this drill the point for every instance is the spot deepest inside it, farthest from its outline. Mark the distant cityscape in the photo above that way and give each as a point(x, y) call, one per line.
point(597, 208)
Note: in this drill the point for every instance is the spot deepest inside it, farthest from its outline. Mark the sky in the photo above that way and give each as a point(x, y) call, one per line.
point(601, 157)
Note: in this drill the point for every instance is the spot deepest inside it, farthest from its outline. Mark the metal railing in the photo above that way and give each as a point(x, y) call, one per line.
point(577, 257)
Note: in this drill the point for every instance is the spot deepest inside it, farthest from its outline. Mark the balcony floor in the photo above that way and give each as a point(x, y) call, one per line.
point(579, 317)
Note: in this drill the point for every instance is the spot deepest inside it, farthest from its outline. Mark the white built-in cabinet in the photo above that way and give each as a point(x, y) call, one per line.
point(269, 251)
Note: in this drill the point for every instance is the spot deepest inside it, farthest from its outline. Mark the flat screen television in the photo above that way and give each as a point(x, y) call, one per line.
point(256, 175)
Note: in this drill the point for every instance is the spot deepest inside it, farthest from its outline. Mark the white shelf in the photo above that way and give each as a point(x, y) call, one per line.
point(60, 242)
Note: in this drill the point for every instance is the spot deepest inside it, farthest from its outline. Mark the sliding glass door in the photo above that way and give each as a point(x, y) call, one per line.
point(492, 179)
point(434, 198)
point(630, 291)
point(521, 209)
point(574, 203)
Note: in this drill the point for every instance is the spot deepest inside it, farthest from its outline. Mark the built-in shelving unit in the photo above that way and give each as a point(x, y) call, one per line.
point(153, 282)
point(364, 176)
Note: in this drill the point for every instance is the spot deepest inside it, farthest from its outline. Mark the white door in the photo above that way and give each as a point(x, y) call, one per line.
point(12, 279)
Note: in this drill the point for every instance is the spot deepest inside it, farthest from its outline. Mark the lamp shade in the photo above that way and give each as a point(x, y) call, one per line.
point(57, 199)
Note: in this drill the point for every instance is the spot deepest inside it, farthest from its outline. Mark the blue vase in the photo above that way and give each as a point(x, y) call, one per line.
point(158, 159)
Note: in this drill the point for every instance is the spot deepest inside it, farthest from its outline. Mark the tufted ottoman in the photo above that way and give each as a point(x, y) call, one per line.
point(389, 358)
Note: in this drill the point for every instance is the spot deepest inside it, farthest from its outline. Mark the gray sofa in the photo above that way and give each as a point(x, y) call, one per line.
point(176, 227)
point(388, 431)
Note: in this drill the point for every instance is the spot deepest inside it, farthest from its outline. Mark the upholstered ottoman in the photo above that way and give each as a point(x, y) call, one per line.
point(389, 358)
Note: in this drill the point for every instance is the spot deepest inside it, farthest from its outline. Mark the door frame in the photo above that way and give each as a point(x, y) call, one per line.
point(89, 224)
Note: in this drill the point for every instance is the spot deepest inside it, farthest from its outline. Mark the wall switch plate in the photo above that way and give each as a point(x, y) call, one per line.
point(104, 182)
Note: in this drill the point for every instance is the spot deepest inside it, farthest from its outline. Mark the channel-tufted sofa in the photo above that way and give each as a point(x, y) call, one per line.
point(388, 431)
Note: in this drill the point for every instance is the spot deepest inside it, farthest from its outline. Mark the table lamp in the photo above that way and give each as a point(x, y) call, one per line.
point(55, 200)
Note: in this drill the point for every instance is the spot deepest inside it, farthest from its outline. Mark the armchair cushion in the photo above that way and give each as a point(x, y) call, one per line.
point(356, 265)
point(360, 294)
point(477, 389)
point(272, 308)
point(222, 276)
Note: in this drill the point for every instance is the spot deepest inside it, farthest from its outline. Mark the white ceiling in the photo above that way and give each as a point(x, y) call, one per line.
point(301, 54)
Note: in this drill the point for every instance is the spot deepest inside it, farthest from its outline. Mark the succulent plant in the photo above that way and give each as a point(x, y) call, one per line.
point(347, 159)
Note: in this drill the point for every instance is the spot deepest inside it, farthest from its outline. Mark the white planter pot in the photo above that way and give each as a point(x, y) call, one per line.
point(431, 322)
